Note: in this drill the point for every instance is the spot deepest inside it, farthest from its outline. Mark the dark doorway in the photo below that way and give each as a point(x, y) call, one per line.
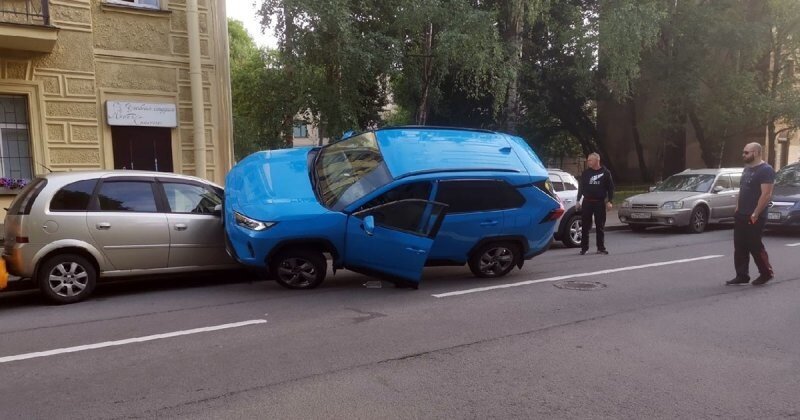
point(142, 148)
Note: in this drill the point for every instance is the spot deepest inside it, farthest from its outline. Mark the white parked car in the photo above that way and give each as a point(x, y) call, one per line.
point(568, 227)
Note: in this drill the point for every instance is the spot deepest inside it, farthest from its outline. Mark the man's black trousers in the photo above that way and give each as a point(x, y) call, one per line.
point(596, 209)
point(747, 242)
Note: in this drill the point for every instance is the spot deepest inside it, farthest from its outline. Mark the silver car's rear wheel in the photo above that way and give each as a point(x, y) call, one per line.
point(299, 269)
point(67, 278)
point(494, 259)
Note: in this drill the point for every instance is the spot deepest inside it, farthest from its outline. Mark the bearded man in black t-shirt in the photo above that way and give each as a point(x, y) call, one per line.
point(755, 193)
point(596, 187)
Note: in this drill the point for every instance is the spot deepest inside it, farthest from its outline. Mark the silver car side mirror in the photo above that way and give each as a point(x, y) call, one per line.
point(718, 189)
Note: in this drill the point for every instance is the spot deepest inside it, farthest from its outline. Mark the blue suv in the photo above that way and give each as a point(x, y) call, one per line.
point(389, 202)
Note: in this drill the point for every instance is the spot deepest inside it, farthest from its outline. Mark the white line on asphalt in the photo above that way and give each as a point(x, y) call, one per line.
point(572, 276)
point(128, 341)
point(797, 244)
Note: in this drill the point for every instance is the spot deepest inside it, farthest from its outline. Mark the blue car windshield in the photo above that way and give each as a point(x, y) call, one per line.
point(687, 182)
point(348, 170)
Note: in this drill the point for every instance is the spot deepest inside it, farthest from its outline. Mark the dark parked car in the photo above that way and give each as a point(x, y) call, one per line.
point(784, 210)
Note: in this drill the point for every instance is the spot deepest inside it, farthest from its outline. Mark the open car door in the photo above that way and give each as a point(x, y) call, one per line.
point(393, 239)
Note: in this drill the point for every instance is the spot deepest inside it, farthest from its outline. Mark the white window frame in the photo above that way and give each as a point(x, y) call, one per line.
point(10, 126)
point(137, 3)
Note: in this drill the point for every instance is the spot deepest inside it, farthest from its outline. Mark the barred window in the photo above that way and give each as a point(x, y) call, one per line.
point(149, 4)
point(15, 143)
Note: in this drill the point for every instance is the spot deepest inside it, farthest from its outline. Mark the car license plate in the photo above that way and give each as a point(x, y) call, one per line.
point(640, 215)
point(774, 216)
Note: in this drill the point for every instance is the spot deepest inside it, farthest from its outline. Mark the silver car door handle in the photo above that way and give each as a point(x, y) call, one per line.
point(416, 250)
point(568, 201)
point(180, 226)
point(103, 226)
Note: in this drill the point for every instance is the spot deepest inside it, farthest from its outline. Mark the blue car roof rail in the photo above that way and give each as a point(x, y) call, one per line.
point(436, 171)
point(434, 127)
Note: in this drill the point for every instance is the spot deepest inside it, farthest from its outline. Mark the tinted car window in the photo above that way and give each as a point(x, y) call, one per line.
point(187, 198)
point(723, 181)
point(24, 200)
point(558, 185)
point(412, 216)
point(736, 180)
point(478, 195)
point(788, 176)
point(570, 183)
point(414, 190)
point(127, 196)
point(73, 197)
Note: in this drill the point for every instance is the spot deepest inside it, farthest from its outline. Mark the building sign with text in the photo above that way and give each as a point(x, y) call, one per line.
point(142, 114)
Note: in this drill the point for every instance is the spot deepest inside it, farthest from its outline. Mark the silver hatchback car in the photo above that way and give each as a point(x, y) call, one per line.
point(66, 230)
point(691, 199)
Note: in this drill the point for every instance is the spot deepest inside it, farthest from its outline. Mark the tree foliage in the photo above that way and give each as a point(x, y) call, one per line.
point(720, 69)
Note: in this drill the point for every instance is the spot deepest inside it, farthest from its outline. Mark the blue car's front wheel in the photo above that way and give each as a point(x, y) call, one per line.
point(299, 268)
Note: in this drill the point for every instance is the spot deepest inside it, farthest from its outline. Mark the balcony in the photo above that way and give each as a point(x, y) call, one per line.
point(25, 25)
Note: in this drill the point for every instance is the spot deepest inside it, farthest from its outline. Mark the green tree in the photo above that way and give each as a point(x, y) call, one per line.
point(256, 89)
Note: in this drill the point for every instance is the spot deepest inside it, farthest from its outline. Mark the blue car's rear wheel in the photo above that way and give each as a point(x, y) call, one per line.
point(299, 268)
point(494, 259)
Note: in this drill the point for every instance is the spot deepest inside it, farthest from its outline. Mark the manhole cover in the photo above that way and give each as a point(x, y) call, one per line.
point(580, 285)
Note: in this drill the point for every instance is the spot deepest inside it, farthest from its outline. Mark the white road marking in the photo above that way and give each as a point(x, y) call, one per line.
point(797, 244)
point(7, 359)
point(572, 276)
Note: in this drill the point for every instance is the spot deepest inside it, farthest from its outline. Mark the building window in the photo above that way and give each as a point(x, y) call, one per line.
point(149, 4)
point(15, 143)
point(300, 130)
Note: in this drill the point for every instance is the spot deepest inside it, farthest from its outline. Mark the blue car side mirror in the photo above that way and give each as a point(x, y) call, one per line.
point(369, 225)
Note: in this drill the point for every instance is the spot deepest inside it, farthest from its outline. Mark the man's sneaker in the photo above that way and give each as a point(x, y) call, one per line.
point(602, 251)
point(762, 279)
point(583, 252)
point(737, 281)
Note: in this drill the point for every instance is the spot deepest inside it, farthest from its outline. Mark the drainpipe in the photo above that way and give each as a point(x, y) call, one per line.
point(196, 79)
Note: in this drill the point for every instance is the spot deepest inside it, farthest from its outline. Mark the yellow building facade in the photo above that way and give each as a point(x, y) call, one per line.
point(114, 84)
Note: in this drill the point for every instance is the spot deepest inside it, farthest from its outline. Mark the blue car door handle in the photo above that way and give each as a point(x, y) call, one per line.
point(490, 223)
point(416, 250)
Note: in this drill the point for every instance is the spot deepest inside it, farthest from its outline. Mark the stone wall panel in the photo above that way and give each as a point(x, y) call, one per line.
point(134, 76)
point(73, 51)
point(67, 109)
point(64, 156)
point(78, 86)
point(83, 133)
point(116, 31)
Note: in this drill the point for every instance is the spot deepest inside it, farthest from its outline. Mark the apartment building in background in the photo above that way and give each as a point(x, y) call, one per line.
point(114, 84)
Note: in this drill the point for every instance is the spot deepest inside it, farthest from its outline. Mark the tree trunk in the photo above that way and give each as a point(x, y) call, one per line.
point(427, 70)
point(637, 143)
point(513, 15)
point(707, 150)
point(675, 138)
point(287, 50)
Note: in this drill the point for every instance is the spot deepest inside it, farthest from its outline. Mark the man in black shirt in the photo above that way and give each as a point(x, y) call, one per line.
point(597, 189)
point(755, 193)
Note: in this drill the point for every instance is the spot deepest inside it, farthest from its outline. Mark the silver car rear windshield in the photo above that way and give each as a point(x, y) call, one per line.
point(687, 182)
point(348, 170)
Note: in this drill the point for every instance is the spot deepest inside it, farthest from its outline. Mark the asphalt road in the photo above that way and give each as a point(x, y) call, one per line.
point(661, 337)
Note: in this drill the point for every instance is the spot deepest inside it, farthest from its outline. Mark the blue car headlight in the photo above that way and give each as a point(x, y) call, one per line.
point(251, 224)
point(671, 205)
